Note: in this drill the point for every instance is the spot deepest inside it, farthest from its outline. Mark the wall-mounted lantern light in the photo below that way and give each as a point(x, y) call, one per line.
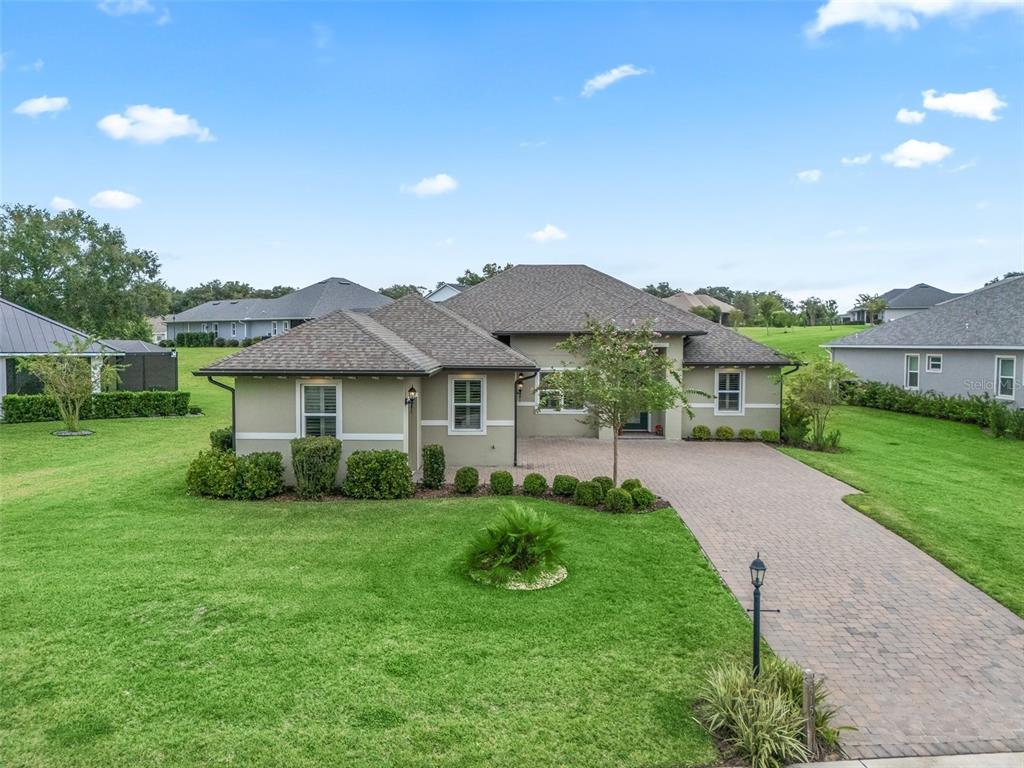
point(410, 396)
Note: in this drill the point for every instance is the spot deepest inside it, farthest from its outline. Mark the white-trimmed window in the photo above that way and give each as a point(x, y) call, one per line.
point(273, 327)
point(319, 410)
point(729, 392)
point(286, 325)
point(233, 330)
point(933, 364)
point(466, 412)
point(912, 372)
point(206, 328)
point(216, 329)
point(1006, 375)
point(552, 400)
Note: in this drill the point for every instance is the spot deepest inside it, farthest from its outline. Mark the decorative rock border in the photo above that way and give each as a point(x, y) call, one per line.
point(543, 581)
point(79, 433)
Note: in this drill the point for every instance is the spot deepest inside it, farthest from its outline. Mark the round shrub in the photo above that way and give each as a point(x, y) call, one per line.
point(212, 473)
point(520, 546)
point(466, 479)
point(747, 434)
point(564, 485)
point(534, 484)
point(433, 466)
point(502, 483)
point(259, 475)
point(222, 439)
point(315, 462)
point(587, 494)
point(630, 484)
point(378, 475)
point(724, 433)
point(606, 484)
point(701, 432)
point(769, 435)
point(643, 498)
point(618, 500)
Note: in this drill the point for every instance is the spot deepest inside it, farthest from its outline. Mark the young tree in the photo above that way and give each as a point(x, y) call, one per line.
point(874, 304)
point(69, 377)
point(767, 306)
point(831, 309)
point(817, 389)
point(622, 373)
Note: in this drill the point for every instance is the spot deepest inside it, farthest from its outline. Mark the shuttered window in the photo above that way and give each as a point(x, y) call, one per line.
point(319, 411)
point(467, 405)
point(729, 392)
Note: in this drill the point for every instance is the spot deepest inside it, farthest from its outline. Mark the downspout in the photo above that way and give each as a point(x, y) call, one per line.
point(232, 391)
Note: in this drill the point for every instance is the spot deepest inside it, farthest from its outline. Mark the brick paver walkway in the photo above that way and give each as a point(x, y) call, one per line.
point(921, 662)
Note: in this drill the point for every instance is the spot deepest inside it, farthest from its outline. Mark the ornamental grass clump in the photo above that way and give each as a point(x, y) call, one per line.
point(520, 549)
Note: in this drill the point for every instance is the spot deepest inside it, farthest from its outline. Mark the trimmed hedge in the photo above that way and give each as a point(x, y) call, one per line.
point(433, 466)
point(643, 498)
point(258, 475)
point(535, 484)
point(194, 339)
point(769, 435)
point(564, 485)
point(701, 432)
point(606, 484)
point(467, 479)
point(502, 483)
point(618, 500)
point(724, 433)
point(630, 483)
point(212, 473)
point(588, 494)
point(315, 461)
point(889, 397)
point(378, 475)
point(19, 409)
point(747, 434)
point(222, 439)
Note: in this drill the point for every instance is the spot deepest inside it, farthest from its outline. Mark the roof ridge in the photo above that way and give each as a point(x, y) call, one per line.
point(387, 336)
point(470, 325)
point(47, 319)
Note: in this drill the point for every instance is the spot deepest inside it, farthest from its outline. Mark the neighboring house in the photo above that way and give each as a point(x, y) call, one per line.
point(858, 315)
point(690, 301)
point(970, 345)
point(900, 302)
point(159, 326)
point(259, 318)
point(350, 374)
point(445, 291)
point(24, 333)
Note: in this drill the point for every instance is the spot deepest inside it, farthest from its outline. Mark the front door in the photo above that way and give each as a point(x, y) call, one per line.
point(638, 423)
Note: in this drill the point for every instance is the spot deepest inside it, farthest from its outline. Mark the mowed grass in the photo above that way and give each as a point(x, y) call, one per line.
point(145, 627)
point(951, 489)
point(802, 344)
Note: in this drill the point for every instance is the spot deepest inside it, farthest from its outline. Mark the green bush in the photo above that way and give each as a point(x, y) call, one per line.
point(194, 339)
point(605, 482)
point(564, 485)
point(796, 422)
point(212, 473)
point(166, 343)
point(889, 397)
point(769, 435)
point(998, 418)
point(618, 500)
point(315, 461)
point(433, 466)
point(630, 484)
point(466, 479)
point(231, 343)
point(535, 484)
point(222, 439)
point(122, 404)
point(701, 432)
point(259, 475)
point(521, 546)
point(724, 433)
point(588, 494)
point(502, 483)
point(378, 475)
point(643, 498)
point(747, 434)
point(1016, 426)
point(195, 410)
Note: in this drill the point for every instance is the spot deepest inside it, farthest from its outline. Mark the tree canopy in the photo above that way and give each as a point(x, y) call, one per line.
point(397, 291)
point(215, 290)
point(472, 278)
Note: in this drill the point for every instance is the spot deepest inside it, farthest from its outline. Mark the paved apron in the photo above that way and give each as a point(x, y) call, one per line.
point(920, 661)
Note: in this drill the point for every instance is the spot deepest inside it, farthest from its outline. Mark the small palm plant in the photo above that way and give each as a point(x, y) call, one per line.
point(522, 546)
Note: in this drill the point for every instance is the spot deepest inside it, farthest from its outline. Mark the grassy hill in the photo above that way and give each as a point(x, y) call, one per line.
point(801, 343)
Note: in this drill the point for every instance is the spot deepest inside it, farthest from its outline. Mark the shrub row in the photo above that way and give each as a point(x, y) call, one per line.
point(223, 475)
point(194, 339)
point(377, 475)
point(20, 409)
point(702, 432)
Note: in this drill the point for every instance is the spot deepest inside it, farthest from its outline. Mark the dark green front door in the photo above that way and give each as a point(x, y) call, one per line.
point(638, 424)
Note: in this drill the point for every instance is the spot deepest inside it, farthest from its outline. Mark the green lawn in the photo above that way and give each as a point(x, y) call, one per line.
point(949, 488)
point(801, 343)
point(144, 627)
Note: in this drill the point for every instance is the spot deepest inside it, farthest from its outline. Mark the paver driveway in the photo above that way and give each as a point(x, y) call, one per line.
point(921, 661)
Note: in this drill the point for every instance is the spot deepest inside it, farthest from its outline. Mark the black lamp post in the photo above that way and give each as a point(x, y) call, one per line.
point(757, 571)
point(515, 422)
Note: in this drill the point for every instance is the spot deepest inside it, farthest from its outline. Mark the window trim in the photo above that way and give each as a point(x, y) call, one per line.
point(537, 389)
point(300, 403)
point(928, 363)
point(233, 329)
point(1013, 378)
point(216, 329)
point(742, 392)
point(273, 327)
point(452, 378)
point(907, 372)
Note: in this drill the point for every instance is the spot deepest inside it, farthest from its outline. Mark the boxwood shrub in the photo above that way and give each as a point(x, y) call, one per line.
point(466, 479)
point(747, 434)
point(643, 498)
point(630, 484)
point(315, 461)
point(564, 485)
point(378, 475)
point(588, 494)
point(724, 433)
point(606, 484)
point(535, 484)
point(769, 435)
point(222, 439)
point(701, 432)
point(212, 473)
point(19, 409)
point(433, 466)
point(618, 500)
point(502, 483)
point(258, 475)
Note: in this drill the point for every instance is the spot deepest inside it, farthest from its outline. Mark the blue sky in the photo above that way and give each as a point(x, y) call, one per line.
point(297, 134)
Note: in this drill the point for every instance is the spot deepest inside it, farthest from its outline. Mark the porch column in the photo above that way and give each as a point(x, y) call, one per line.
point(674, 423)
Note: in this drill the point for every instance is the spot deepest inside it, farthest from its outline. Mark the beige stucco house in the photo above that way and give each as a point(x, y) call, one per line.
point(468, 373)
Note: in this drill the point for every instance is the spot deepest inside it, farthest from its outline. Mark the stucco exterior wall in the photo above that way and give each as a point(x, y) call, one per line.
point(243, 329)
point(491, 447)
point(964, 371)
point(760, 399)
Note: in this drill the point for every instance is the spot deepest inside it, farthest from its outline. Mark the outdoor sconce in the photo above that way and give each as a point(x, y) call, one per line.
point(410, 396)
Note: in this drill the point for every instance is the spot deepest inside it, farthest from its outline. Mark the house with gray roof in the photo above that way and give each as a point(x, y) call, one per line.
point(263, 318)
point(692, 301)
point(469, 373)
point(969, 345)
point(900, 302)
point(445, 291)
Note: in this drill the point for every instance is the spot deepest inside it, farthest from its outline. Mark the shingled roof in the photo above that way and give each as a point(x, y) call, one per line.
point(411, 336)
point(990, 317)
point(920, 296)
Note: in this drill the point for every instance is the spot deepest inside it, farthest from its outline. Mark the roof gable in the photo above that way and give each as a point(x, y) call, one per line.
point(24, 332)
point(920, 296)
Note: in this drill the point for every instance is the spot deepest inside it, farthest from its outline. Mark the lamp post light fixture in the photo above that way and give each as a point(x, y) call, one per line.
point(757, 571)
point(520, 378)
point(411, 395)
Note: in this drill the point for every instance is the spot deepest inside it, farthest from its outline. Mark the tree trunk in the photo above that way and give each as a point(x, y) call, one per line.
point(615, 456)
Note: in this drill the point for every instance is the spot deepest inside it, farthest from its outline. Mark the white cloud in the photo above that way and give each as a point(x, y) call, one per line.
point(35, 66)
point(603, 80)
point(59, 203)
point(164, 18)
point(114, 198)
point(909, 117)
point(432, 185)
point(533, 144)
point(547, 233)
point(964, 166)
point(811, 176)
point(894, 15)
point(41, 105)
point(448, 242)
point(981, 105)
point(152, 125)
point(323, 36)
point(125, 7)
point(914, 154)
point(857, 159)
